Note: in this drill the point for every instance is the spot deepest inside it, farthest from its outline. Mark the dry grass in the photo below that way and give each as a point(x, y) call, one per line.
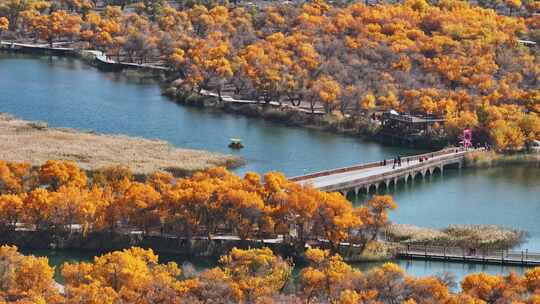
point(486, 159)
point(464, 236)
point(35, 142)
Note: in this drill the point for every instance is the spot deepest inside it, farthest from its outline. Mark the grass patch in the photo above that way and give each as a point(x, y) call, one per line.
point(463, 236)
point(35, 142)
point(486, 159)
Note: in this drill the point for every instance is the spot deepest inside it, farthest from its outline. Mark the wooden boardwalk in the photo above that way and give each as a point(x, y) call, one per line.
point(230, 99)
point(371, 176)
point(462, 255)
point(100, 59)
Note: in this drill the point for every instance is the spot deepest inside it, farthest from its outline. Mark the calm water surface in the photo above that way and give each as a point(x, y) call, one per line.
point(67, 93)
point(505, 196)
point(417, 268)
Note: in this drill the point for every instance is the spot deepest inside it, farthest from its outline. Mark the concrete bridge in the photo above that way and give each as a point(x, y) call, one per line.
point(371, 176)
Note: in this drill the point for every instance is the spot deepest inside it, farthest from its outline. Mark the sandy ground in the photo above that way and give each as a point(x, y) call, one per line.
point(34, 142)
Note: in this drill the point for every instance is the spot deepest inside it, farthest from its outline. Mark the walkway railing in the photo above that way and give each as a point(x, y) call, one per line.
point(394, 173)
point(373, 164)
point(510, 257)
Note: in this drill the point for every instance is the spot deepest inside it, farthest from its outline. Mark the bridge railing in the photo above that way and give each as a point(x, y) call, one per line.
point(372, 164)
point(516, 255)
point(391, 174)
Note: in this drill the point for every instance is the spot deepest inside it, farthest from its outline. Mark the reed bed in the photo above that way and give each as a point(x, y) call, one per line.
point(486, 159)
point(35, 142)
point(464, 236)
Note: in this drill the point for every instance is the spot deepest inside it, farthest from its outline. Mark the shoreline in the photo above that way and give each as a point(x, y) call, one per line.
point(287, 116)
point(290, 117)
point(35, 142)
point(490, 159)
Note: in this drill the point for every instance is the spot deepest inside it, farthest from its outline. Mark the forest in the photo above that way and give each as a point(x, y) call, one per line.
point(246, 276)
point(60, 199)
point(475, 65)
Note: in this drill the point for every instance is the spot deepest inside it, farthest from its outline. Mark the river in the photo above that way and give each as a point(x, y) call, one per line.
point(67, 93)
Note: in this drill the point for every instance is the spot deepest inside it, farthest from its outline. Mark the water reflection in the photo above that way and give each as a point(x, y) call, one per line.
point(505, 196)
point(66, 93)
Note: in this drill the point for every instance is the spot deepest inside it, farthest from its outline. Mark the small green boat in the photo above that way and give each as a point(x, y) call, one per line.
point(236, 144)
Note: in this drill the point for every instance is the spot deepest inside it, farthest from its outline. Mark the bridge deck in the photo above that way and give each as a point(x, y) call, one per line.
point(376, 172)
point(521, 258)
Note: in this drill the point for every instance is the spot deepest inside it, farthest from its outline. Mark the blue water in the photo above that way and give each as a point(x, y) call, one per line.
point(67, 93)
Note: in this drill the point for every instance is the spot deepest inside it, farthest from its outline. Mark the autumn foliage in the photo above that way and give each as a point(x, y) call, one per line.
point(59, 198)
point(245, 276)
point(451, 59)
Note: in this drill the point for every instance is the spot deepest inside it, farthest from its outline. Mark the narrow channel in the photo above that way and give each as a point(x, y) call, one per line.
point(67, 93)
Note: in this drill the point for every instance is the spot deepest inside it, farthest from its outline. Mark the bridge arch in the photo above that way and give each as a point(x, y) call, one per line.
point(350, 194)
point(438, 170)
point(384, 185)
point(408, 178)
point(373, 188)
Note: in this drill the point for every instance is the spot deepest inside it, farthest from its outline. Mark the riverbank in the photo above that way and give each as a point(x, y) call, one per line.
point(334, 122)
point(198, 247)
point(35, 142)
point(284, 114)
point(462, 236)
point(488, 159)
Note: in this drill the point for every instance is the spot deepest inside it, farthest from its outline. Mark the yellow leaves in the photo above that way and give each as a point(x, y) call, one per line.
point(368, 102)
point(428, 105)
point(328, 89)
point(532, 279)
point(177, 57)
point(126, 276)
point(141, 196)
point(514, 4)
point(34, 273)
point(13, 176)
point(417, 5)
point(38, 205)
point(91, 293)
point(327, 275)
point(317, 256)
point(57, 24)
point(257, 272)
point(58, 173)
point(25, 276)
point(10, 208)
point(313, 278)
point(457, 122)
point(480, 285)
point(389, 101)
point(506, 135)
point(4, 23)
